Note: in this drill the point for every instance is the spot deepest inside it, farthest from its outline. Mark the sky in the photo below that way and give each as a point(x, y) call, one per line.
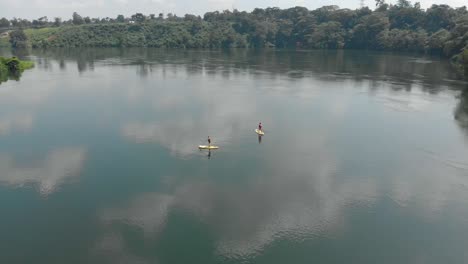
point(32, 9)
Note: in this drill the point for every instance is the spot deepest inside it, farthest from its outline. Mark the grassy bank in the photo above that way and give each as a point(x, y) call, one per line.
point(5, 42)
point(11, 68)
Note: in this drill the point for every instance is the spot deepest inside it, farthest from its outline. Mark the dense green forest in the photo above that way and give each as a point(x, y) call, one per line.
point(11, 68)
point(440, 30)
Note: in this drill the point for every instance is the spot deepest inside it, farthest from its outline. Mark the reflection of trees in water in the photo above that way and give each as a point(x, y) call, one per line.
point(402, 71)
point(461, 111)
point(62, 64)
point(44, 63)
point(10, 76)
point(21, 53)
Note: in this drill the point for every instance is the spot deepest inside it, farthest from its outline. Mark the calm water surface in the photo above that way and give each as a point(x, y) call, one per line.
point(364, 160)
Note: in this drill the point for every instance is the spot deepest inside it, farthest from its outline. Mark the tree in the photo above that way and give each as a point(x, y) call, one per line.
point(4, 23)
point(13, 64)
point(323, 13)
point(347, 18)
point(87, 20)
point(283, 36)
point(404, 4)
point(402, 40)
point(440, 17)
point(21, 23)
point(188, 17)
point(405, 16)
point(138, 17)
point(364, 34)
point(458, 39)
point(328, 35)
point(435, 43)
point(18, 39)
point(381, 6)
point(40, 22)
point(263, 32)
point(171, 17)
point(303, 28)
point(14, 22)
point(77, 19)
point(120, 18)
point(57, 21)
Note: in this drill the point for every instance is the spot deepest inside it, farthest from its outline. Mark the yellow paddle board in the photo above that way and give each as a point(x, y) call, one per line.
point(260, 132)
point(207, 147)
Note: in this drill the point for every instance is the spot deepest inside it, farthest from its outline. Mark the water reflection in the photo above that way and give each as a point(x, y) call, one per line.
point(48, 172)
point(305, 198)
point(184, 130)
point(112, 249)
point(357, 65)
point(292, 202)
point(20, 53)
point(461, 111)
point(18, 122)
point(352, 134)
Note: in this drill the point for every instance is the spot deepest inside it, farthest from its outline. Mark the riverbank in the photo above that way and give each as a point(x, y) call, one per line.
point(11, 68)
point(403, 27)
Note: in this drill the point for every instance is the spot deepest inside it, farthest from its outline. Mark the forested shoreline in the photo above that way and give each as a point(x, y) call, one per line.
point(438, 30)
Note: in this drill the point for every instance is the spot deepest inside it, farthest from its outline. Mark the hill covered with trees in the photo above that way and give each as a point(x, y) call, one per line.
point(440, 30)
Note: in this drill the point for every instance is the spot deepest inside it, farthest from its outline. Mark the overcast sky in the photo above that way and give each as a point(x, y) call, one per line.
point(111, 8)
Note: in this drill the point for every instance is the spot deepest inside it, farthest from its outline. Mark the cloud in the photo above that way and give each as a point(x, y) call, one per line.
point(16, 122)
point(58, 166)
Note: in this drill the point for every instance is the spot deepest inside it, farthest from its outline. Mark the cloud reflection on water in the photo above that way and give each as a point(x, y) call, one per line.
point(298, 200)
point(16, 122)
point(303, 196)
point(302, 193)
point(55, 169)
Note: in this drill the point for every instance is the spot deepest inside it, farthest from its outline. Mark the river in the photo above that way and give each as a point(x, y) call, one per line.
point(364, 158)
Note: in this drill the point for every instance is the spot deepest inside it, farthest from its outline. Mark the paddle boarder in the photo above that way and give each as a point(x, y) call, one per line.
point(209, 141)
point(260, 126)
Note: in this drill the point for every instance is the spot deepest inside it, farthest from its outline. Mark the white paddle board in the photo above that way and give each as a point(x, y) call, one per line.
point(207, 147)
point(260, 132)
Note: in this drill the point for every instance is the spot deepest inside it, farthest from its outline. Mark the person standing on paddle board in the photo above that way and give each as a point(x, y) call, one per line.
point(260, 126)
point(209, 141)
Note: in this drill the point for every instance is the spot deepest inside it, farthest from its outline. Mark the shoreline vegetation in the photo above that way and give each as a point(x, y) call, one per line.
point(439, 30)
point(11, 68)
